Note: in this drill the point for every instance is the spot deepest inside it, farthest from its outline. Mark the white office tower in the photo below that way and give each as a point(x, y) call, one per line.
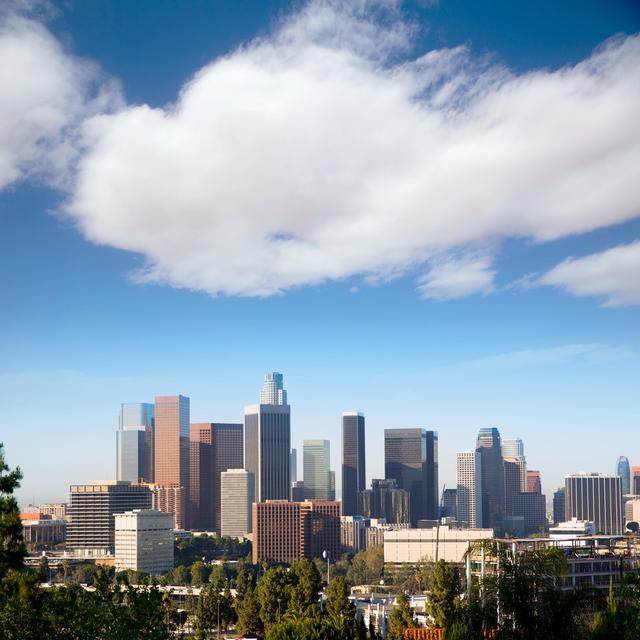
point(144, 541)
point(236, 498)
point(597, 498)
point(317, 475)
point(273, 391)
point(469, 487)
point(512, 448)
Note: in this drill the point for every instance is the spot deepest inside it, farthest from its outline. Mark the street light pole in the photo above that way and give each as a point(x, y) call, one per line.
point(325, 555)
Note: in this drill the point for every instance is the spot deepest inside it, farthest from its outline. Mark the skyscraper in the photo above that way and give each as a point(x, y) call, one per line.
point(316, 456)
point(172, 447)
point(266, 449)
point(635, 481)
point(201, 476)
point(385, 500)
point(134, 442)
point(469, 487)
point(411, 459)
point(624, 471)
point(558, 506)
point(236, 502)
point(489, 446)
point(597, 498)
point(353, 461)
point(515, 480)
point(512, 448)
point(293, 466)
point(228, 453)
point(534, 482)
point(273, 391)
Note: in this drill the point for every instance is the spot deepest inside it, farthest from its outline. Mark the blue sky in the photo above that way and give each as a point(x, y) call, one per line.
point(383, 278)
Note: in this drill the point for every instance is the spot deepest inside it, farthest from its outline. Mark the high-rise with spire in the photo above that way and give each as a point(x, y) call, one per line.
point(267, 442)
point(624, 471)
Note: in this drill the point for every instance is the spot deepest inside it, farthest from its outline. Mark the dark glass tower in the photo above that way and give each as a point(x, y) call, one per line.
point(624, 471)
point(228, 453)
point(353, 461)
point(267, 430)
point(411, 459)
point(493, 501)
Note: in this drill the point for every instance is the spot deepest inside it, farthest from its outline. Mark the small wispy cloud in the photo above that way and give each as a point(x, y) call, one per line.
point(588, 353)
point(457, 277)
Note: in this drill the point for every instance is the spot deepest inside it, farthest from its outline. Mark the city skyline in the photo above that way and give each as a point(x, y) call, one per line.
point(500, 290)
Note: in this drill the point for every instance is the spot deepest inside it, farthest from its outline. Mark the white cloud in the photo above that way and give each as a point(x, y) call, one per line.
point(551, 356)
point(452, 278)
point(44, 95)
point(613, 274)
point(313, 154)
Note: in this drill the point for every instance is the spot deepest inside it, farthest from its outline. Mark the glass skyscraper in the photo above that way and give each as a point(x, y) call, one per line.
point(411, 459)
point(492, 466)
point(353, 461)
point(134, 442)
point(273, 391)
point(316, 455)
point(624, 471)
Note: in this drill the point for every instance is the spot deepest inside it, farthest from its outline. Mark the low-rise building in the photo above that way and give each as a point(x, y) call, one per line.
point(411, 546)
point(571, 529)
point(42, 531)
point(144, 541)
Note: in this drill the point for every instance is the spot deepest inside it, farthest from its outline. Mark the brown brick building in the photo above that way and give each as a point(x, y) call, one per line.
point(287, 531)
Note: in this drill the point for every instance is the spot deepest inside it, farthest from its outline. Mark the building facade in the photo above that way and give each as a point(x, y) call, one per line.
point(411, 459)
point(469, 487)
point(597, 498)
point(144, 541)
point(512, 448)
point(92, 509)
point(558, 506)
point(284, 532)
point(492, 473)
point(135, 442)
point(353, 461)
point(172, 448)
point(386, 501)
point(534, 482)
point(201, 484)
point(624, 471)
point(532, 507)
point(171, 500)
point(267, 448)
point(227, 453)
point(316, 456)
point(515, 481)
point(236, 491)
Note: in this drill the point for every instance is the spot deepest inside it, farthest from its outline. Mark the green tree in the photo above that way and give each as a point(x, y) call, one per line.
point(444, 593)
point(12, 549)
point(248, 614)
point(400, 619)
point(272, 595)
point(308, 629)
point(198, 573)
point(207, 615)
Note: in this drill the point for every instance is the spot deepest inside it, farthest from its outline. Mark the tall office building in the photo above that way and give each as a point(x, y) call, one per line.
point(411, 459)
point(201, 516)
point(512, 448)
point(515, 481)
point(489, 446)
point(293, 466)
point(316, 455)
point(534, 482)
point(558, 506)
point(266, 449)
point(227, 453)
point(624, 471)
point(172, 448)
point(236, 494)
point(469, 487)
point(353, 461)
point(597, 498)
point(449, 504)
point(385, 501)
point(532, 507)
point(91, 530)
point(134, 442)
point(273, 391)
point(635, 481)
